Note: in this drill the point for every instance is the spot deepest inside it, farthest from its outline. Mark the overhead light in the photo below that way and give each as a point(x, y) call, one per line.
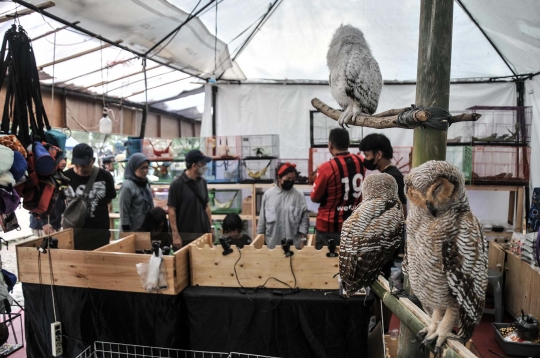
point(105, 123)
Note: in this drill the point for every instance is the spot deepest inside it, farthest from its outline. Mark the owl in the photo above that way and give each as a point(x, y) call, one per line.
point(446, 253)
point(372, 233)
point(355, 78)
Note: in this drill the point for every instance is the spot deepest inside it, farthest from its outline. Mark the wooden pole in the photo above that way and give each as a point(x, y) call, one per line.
point(432, 90)
point(433, 75)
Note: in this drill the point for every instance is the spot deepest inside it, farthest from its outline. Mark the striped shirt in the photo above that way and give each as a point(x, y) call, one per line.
point(338, 188)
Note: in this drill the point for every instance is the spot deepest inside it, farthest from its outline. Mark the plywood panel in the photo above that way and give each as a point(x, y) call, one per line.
point(100, 269)
point(311, 267)
point(197, 129)
point(517, 275)
point(496, 257)
point(83, 115)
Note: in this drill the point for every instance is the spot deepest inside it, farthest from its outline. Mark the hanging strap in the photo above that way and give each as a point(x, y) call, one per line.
point(90, 183)
point(191, 184)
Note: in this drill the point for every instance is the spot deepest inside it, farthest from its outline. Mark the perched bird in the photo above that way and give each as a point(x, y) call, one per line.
point(371, 234)
point(446, 255)
point(355, 77)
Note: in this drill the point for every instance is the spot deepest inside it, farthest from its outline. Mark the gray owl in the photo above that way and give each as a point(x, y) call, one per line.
point(355, 77)
point(446, 256)
point(372, 233)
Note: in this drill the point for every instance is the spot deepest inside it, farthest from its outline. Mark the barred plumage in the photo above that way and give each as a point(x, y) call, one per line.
point(355, 78)
point(371, 234)
point(446, 255)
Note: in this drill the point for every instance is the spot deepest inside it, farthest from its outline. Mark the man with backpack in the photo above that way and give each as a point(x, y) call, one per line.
point(189, 211)
point(91, 231)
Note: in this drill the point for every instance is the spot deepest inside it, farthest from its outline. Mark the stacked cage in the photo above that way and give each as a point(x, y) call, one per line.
point(320, 127)
point(225, 167)
point(501, 152)
point(259, 157)
point(225, 201)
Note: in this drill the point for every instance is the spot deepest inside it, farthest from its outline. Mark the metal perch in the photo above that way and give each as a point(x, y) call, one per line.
point(409, 117)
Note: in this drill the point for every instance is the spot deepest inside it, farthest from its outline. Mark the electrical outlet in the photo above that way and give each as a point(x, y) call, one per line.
point(56, 339)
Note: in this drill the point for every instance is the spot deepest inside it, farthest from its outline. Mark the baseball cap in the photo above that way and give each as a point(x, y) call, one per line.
point(195, 156)
point(82, 154)
point(108, 159)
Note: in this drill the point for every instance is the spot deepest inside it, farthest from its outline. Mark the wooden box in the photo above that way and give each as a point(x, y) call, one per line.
point(256, 264)
point(111, 267)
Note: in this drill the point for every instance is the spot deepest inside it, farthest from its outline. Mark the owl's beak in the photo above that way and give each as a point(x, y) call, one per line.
point(431, 208)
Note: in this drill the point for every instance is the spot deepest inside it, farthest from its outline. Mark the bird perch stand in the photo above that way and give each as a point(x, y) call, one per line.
point(416, 319)
point(407, 118)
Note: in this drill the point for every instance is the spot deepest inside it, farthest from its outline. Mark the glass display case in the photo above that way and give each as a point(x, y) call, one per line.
point(258, 171)
point(225, 201)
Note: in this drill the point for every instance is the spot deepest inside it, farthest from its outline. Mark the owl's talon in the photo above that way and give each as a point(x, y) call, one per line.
point(437, 352)
point(422, 334)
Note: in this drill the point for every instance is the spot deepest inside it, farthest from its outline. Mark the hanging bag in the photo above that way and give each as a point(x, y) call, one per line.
point(44, 163)
point(40, 199)
point(75, 213)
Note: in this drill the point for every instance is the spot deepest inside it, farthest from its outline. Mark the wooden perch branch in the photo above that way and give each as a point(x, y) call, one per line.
point(375, 121)
point(389, 119)
point(416, 319)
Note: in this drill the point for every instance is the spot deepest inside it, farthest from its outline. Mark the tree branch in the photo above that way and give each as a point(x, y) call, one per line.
point(437, 118)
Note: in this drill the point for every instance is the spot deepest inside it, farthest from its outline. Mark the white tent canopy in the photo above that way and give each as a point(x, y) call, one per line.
point(276, 41)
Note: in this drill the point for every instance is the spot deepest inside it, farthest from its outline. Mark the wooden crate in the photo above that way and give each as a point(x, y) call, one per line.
point(111, 267)
point(312, 268)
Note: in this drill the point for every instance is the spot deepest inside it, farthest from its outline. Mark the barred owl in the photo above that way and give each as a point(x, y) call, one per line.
point(371, 234)
point(355, 77)
point(446, 256)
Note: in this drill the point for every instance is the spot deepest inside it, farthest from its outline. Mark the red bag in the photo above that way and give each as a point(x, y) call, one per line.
point(40, 199)
point(32, 178)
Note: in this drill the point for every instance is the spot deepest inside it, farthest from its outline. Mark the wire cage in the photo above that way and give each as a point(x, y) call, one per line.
point(227, 147)
point(260, 146)
point(118, 350)
point(225, 201)
point(460, 132)
point(462, 157)
point(502, 125)
point(318, 156)
point(301, 168)
point(258, 171)
point(501, 165)
point(223, 171)
point(181, 146)
point(320, 127)
point(403, 159)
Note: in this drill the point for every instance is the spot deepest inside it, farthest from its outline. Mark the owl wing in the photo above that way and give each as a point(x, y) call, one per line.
point(363, 80)
point(369, 238)
point(465, 263)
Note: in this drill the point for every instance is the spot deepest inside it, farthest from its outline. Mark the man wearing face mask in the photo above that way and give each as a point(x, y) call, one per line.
point(284, 212)
point(378, 154)
point(189, 209)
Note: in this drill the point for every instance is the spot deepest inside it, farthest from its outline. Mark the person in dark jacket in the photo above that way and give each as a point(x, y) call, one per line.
point(135, 199)
point(157, 225)
point(47, 226)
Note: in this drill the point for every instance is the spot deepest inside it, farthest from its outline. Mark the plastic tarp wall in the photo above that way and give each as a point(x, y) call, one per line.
point(532, 98)
point(284, 110)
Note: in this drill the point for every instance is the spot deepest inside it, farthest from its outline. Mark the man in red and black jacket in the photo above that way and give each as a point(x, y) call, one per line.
point(338, 187)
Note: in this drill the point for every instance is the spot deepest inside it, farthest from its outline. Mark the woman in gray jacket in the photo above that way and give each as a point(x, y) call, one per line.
point(135, 199)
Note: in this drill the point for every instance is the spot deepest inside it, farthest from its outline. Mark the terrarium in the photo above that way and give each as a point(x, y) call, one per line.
point(225, 201)
point(258, 170)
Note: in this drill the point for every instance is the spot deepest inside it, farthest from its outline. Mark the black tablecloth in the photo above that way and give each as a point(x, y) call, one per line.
point(306, 324)
point(89, 315)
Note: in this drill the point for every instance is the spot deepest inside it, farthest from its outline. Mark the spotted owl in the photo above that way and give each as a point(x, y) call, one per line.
point(355, 77)
point(446, 255)
point(372, 233)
